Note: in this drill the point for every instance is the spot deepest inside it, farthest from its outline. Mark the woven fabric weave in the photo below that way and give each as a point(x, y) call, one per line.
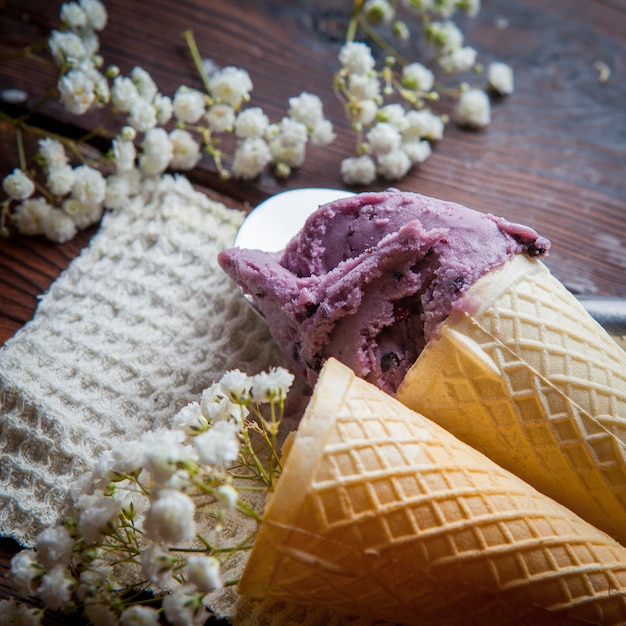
point(136, 327)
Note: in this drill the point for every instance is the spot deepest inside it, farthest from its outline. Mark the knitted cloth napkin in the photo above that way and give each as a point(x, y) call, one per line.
point(136, 327)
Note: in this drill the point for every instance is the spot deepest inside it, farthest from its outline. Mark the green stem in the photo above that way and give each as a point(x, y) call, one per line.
point(197, 59)
point(20, 148)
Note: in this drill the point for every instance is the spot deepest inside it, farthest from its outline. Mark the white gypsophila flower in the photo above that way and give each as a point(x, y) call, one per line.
point(164, 108)
point(14, 613)
point(77, 92)
point(473, 109)
point(145, 84)
point(272, 385)
point(292, 133)
point(219, 445)
point(359, 170)
point(18, 185)
point(364, 86)
point(124, 93)
point(170, 518)
point(24, 570)
point(250, 158)
point(445, 35)
point(184, 607)
point(89, 185)
point(117, 192)
point(189, 105)
point(306, 108)
point(142, 115)
point(57, 226)
point(125, 458)
point(61, 179)
point(459, 60)
point(139, 615)
point(221, 117)
point(55, 589)
point(251, 122)
point(364, 112)
point(83, 214)
point(124, 154)
point(96, 513)
point(383, 138)
point(288, 154)
point(228, 496)
point(190, 419)
point(157, 564)
point(163, 450)
point(128, 133)
point(52, 152)
point(66, 47)
point(417, 151)
point(99, 613)
point(393, 165)
point(157, 152)
point(203, 572)
point(393, 114)
point(231, 85)
point(323, 133)
point(417, 77)
point(186, 150)
point(54, 546)
point(235, 384)
point(96, 13)
point(101, 88)
point(378, 11)
point(500, 78)
point(73, 16)
point(423, 124)
point(30, 215)
point(356, 57)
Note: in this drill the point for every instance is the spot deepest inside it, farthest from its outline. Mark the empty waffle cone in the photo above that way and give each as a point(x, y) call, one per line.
point(380, 512)
point(532, 381)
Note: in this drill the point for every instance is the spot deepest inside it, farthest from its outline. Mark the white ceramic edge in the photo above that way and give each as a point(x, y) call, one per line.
point(276, 220)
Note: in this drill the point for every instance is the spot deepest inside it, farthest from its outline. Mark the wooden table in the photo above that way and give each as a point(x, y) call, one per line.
point(553, 156)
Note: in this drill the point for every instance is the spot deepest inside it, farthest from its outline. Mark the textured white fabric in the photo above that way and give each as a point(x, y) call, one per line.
point(137, 326)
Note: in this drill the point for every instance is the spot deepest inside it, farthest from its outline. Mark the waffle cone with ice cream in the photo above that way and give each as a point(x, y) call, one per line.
point(382, 513)
point(521, 372)
point(453, 311)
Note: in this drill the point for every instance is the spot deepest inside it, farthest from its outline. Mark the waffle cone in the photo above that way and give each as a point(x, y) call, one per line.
point(532, 381)
point(380, 512)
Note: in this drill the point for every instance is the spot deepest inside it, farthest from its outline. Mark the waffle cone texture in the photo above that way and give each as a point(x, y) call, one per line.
point(382, 513)
point(532, 381)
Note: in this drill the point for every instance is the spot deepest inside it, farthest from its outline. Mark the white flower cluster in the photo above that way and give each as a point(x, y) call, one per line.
point(80, 192)
point(393, 137)
point(81, 84)
point(160, 133)
point(139, 506)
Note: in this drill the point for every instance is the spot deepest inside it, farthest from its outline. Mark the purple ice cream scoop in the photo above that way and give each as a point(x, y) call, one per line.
point(370, 278)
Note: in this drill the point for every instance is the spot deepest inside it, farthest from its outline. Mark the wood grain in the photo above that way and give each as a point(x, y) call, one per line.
point(553, 156)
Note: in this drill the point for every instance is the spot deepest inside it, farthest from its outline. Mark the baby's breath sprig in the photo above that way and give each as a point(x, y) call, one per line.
point(153, 132)
point(141, 540)
point(391, 104)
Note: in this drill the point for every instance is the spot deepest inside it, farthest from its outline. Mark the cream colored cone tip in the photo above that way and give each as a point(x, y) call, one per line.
point(531, 380)
point(381, 513)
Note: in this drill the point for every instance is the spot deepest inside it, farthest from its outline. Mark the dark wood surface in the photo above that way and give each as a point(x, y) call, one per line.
point(554, 156)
